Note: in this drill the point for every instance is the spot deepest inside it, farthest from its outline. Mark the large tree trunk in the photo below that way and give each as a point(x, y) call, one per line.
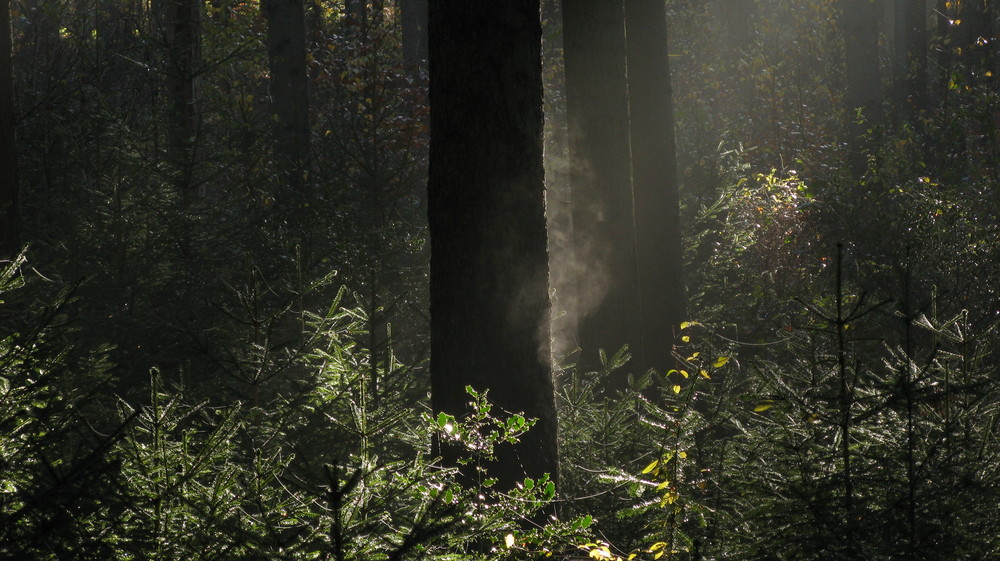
point(489, 265)
point(659, 248)
point(286, 53)
point(9, 215)
point(606, 299)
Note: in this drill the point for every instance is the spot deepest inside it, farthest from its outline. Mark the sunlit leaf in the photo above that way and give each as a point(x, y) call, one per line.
point(508, 540)
point(676, 388)
point(652, 465)
point(720, 362)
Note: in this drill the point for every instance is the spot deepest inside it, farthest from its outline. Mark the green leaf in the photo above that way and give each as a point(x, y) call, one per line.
point(720, 362)
point(529, 483)
point(550, 490)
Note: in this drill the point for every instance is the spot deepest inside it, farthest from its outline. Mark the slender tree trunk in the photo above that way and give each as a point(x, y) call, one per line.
point(738, 18)
point(286, 53)
point(910, 31)
point(489, 265)
point(859, 26)
point(357, 14)
point(414, 16)
point(974, 38)
point(654, 183)
point(183, 34)
point(944, 60)
point(606, 299)
point(10, 224)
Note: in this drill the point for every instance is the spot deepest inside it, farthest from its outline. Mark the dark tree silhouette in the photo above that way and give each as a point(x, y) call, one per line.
point(911, 55)
point(659, 248)
point(414, 23)
point(859, 27)
point(606, 299)
point(183, 53)
point(489, 264)
point(9, 216)
point(286, 53)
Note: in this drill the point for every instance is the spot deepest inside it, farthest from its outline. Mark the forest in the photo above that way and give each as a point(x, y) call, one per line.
point(619, 280)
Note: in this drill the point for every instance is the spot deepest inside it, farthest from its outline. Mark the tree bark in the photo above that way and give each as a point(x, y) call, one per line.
point(9, 213)
point(489, 264)
point(606, 299)
point(286, 53)
point(659, 249)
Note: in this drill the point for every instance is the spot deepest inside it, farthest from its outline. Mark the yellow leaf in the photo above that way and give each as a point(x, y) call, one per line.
point(720, 362)
point(651, 466)
point(686, 339)
point(657, 546)
point(687, 324)
point(704, 374)
point(600, 553)
point(509, 540)
point(684, 373)
point(677, 389)
point(762, 407)
point(682, 454)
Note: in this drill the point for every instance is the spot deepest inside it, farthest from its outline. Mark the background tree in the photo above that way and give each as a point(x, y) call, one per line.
point(182, 32)
point(605, 302)
point(286, 55)
point(414, 28)
point(659, 248)
point(859, 24)
point(486, 207)
point(910, 29)
point(9, 213)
